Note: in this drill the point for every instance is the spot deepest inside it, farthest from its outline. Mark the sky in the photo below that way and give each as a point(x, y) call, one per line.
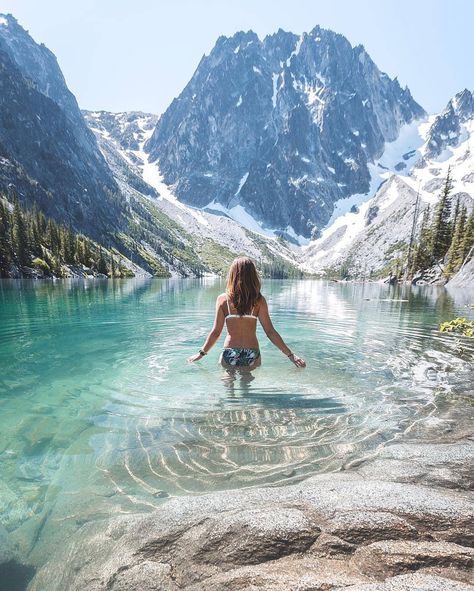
point(121, 55)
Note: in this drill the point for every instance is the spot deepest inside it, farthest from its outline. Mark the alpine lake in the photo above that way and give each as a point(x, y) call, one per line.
point(100, 414)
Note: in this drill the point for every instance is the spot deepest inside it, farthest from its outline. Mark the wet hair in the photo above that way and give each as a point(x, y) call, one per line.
point(243, 285)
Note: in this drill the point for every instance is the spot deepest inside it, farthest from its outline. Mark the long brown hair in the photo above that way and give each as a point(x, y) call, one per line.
point(243, 285)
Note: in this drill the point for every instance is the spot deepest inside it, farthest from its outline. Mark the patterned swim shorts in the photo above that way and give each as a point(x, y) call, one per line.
point(239, 357)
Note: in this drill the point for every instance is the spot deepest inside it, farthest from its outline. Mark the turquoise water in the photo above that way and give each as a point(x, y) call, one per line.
point(100, 414)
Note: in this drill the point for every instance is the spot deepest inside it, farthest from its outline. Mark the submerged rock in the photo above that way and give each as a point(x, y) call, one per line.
point(332, 530)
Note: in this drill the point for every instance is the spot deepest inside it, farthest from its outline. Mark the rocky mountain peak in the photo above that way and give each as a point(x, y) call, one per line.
point(48, 153)
point(447, 128)
point(37, 63)
point(281, 128)
point(463, 104)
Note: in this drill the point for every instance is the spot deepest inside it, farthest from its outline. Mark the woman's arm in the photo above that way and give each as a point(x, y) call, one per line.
point(274, 336)
point(215, 333)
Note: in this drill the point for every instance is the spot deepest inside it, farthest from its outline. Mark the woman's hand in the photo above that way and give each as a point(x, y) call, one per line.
point(298, 361)
point(194, 358)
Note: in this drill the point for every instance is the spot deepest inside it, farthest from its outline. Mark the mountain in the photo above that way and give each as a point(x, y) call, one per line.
point(51, 160)
point(212, 237)
point(280, 128)
point(295, 150)
point(372, 231)
point(48, 153)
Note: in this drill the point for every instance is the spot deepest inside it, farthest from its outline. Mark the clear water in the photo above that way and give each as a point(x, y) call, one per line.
point(100, 414)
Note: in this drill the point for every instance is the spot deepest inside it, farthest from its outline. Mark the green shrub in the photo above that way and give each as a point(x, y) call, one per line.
point(41, 265)
point(460, 326)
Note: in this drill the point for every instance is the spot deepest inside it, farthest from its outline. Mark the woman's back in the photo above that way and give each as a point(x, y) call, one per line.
point(241, 328)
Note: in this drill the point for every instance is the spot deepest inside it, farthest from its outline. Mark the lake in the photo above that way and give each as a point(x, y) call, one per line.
point(100, 414)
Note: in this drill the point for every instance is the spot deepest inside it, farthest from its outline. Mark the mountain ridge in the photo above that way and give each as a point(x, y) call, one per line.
point(277, 117)
point(332, 165)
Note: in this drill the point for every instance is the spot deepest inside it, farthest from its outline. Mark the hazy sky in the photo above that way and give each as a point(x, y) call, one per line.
point(139, 54)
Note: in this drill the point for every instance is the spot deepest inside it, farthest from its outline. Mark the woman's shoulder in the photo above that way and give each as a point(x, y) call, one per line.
point(221, 298)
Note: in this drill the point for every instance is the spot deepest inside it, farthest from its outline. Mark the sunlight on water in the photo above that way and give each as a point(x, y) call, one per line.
point(100, 414)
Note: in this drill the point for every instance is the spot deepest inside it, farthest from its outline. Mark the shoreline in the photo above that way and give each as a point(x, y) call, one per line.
point(401, 519)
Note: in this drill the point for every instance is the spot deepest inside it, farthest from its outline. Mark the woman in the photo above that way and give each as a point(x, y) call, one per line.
point(239, 309)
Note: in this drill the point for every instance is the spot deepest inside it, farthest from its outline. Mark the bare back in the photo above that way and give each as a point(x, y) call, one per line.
point(241, 329)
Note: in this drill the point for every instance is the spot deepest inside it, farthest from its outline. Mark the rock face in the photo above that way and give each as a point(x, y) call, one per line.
point(209, 236)
point(47, 151)
point(373, 234)
point(348, 530)
point(283, 127)
point(377, 235)
point(446, 130)
point(464, 277)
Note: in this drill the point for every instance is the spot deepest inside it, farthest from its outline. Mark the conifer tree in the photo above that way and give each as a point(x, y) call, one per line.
point(20, 236)
point(422, 256)
point(5, 250)
point(468, 237)
point(442, 229)
point(455, 252)
point(101, 263)
point(112, 266)
point(69, 247)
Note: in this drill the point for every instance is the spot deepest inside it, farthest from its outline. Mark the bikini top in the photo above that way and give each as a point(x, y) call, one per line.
point(229, 315)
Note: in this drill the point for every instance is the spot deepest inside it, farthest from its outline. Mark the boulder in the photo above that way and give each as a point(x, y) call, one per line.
point(256, 538)
point(412, 582)
point(448, 465)
point(393, 557)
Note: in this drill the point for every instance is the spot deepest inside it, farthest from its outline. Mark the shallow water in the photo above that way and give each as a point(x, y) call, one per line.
point(100, 414)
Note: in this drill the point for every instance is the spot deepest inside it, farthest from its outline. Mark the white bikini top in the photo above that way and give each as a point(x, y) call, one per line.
point(229, 315)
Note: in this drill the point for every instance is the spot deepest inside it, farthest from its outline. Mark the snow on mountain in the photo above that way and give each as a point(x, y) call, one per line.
point(279, 129)
point(367, 231)
point(136, 174)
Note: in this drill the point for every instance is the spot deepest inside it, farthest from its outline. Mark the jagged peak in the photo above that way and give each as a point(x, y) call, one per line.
point(280, 33)
point(237, 38)
point(6, 19)
point(463, 100)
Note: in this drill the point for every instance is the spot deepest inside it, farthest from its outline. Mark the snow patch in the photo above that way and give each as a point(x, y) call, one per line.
point(295, 51)
point(242, 217)
point(242, 182)
point(349, 216)
point(275, 88)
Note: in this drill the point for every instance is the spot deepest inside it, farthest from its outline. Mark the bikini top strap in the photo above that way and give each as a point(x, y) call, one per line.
point(228, 307)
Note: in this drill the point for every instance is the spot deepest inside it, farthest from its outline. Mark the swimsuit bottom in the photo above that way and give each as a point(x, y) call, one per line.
point(239, 357)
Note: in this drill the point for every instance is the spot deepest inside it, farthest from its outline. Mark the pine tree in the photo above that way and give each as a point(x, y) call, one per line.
point(35, 232)
point(101, 263)
point(20, 236)
point(5, 249)
point(112, 267)
point(468, 237)
point(457, 211)
point(442, 229)
point(455, 252)
point(52, 238)
point(69, 247)
point(88, 258)
point(422, 256)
